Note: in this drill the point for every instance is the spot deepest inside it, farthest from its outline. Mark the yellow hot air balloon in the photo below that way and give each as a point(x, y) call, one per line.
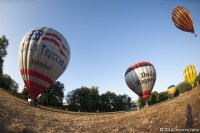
point(190, 74)
point(171, 90)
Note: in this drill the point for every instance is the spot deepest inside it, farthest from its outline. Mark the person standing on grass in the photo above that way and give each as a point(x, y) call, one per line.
point(29, 101)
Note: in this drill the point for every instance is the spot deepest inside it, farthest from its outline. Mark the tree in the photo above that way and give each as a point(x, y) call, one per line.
point(183, 87)
point(198, 78)
point(163, 96)
point(25, 94)
point(83, 99)
point(141, 102)
point(53, 96)
point(3, 52)
point(122, 102)
point(154, 98)
point(107, 101)
point(86, 99)
point(8, 84)
point(93, 99)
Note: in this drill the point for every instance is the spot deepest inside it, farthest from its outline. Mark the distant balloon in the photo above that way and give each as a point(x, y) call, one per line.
point(44, 55)
point(141, 78)
point(171, 90)
point(182, 19)
point(190, 74)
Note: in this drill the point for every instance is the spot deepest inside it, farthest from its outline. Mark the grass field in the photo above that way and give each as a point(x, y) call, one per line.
point(181, 113)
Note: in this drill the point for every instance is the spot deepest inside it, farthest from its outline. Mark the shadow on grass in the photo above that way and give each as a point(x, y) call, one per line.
point(189, 117)
point(2, 127)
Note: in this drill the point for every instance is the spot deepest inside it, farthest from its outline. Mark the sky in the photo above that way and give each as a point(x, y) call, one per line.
point(105, 38)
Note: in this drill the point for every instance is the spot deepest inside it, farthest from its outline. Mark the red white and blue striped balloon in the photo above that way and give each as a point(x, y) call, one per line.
point(140, 78)
point(44, 55)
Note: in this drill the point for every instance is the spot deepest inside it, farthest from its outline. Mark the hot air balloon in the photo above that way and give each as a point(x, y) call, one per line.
point(182, 19)
point(171, 90)
point(140, 78)
point(43, 56)
point(190, 74)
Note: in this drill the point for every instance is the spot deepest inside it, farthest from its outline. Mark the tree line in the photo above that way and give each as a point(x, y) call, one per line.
point(86, 99)
point(82, 99)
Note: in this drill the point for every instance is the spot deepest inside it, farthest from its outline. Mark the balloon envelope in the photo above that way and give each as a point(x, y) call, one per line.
point(43, 56)
point(140, 78)
point(182, 19)
point(190, 74)
point(171, 90)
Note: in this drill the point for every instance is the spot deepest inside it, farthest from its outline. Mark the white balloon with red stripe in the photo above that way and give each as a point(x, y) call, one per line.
point(140, 78)
point(44, 55)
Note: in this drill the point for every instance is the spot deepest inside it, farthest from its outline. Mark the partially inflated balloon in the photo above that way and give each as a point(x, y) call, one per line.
point(190, 74)
point(171, 90)
point(141, 78)
point(44, 55)
point(182, 19)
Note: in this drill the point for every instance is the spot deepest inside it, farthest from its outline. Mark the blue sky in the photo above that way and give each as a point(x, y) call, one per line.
point(105, 38)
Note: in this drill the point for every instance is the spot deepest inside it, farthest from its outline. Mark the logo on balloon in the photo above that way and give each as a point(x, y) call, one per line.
point(53, 56)
point(147, 77)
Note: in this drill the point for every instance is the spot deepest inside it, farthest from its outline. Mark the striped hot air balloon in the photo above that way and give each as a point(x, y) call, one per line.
point(44, 55)
point(190, 74)
point(140, 78)
point(182, 19)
